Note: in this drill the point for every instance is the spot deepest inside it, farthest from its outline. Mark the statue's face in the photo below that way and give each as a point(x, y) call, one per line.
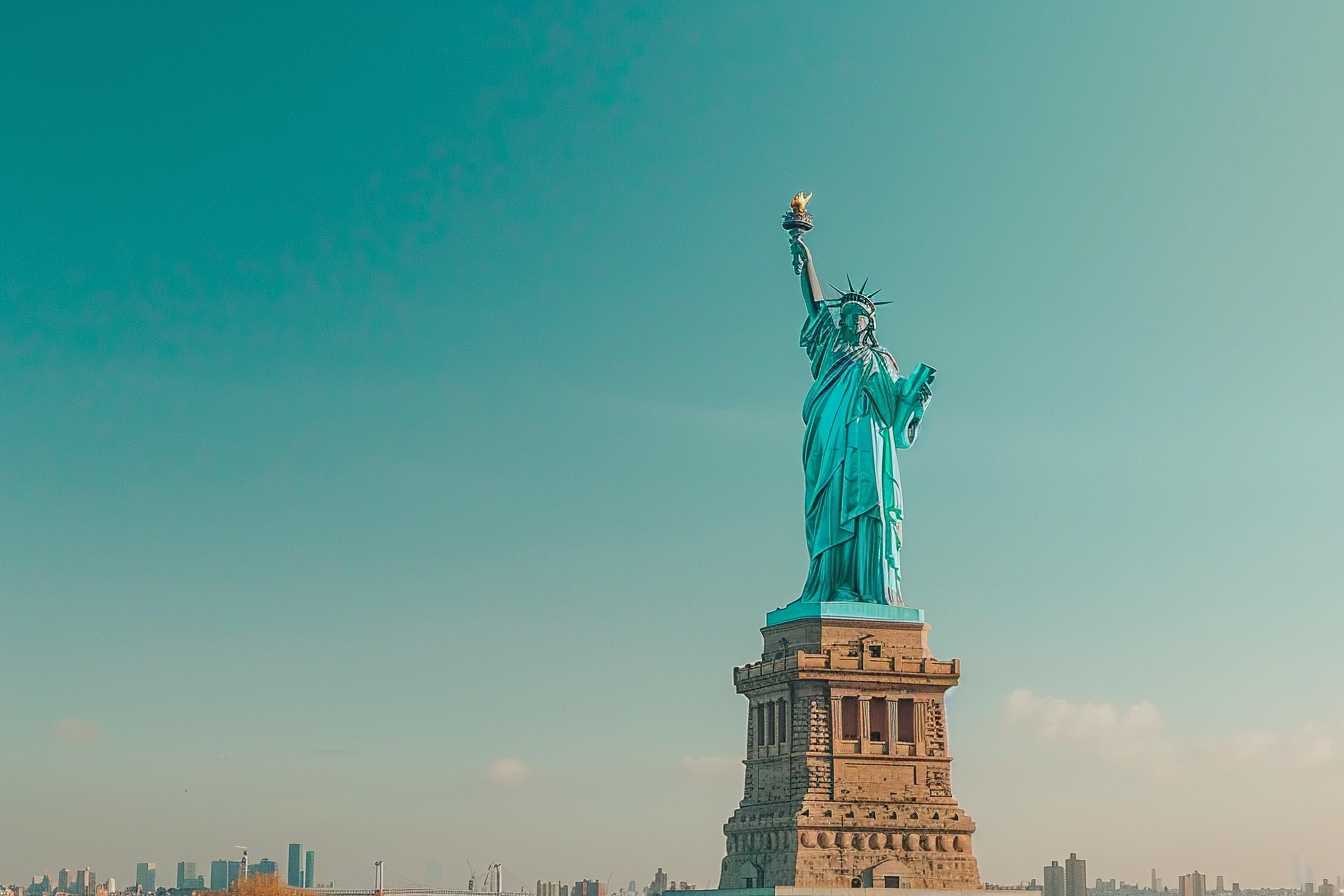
point(853, 322)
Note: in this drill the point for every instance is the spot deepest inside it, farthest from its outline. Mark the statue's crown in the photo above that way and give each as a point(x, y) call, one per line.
point(859, 297)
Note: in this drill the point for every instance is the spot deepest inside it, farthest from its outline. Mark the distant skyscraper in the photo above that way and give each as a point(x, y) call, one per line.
point(295, 871)
point(310, 868)
point(219, 874)
point(111, 885)
point(223, 872)
point(1054, 881)
point(264, 866)
point(145, 874)
point(1075, 875)
point(85, 883)
point(1153, 879)
point(1220, 883)
point(1192, 884)
point(186, 871)
point(63, 880)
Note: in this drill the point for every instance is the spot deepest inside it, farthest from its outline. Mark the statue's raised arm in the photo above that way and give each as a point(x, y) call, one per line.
point(813, 298)
point(797, 222)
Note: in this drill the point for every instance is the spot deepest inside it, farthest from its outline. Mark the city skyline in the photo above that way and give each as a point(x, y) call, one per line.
point(1056, 880)
point(369, 468)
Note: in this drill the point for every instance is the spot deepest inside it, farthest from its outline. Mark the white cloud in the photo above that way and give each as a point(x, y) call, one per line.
point(1108, 727)
point(1057, 718)
point(711, 765)
point(1315, 747)
point(81, 731)
point(1308, 746)
point(507, 770)
point(1115, 732)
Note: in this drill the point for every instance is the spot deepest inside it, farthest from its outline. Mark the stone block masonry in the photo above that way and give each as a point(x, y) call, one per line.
point(848, 770)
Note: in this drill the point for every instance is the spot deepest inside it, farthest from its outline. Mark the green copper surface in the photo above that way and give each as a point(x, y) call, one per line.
point(843, 609)
point(858, 413)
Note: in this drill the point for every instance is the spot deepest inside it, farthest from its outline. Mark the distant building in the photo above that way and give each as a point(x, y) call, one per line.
point(264, 866)
point(86, 884)
point(1327, 888)
point(1153, 881)
point(588, 888)
point(1075, 875)
point(224, 872)
point(64, 877)
point(659, 885)
point(1053, 880)
point(111, 885)
point(294, 876)
point(219, 874)
point(145, 874)
point(1192, 884)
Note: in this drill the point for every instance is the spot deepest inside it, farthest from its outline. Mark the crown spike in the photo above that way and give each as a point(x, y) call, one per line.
point(850, 282)
point(864, 286)
point(875, 292)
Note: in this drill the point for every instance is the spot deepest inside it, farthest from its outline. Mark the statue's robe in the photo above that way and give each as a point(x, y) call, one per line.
point(857, 414)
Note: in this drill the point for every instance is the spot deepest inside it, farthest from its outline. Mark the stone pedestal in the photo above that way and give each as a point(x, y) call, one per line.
point(848, 778)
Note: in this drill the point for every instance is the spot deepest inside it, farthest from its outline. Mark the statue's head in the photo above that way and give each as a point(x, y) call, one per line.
point(858, 319)
point(858, 315)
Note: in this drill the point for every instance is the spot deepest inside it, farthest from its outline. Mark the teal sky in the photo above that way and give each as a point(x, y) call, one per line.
point(400, 424)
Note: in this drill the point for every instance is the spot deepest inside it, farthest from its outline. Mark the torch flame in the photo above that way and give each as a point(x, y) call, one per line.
point(799, 202)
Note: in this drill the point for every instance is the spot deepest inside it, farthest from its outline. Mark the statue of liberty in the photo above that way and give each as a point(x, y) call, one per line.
point(859, 411)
